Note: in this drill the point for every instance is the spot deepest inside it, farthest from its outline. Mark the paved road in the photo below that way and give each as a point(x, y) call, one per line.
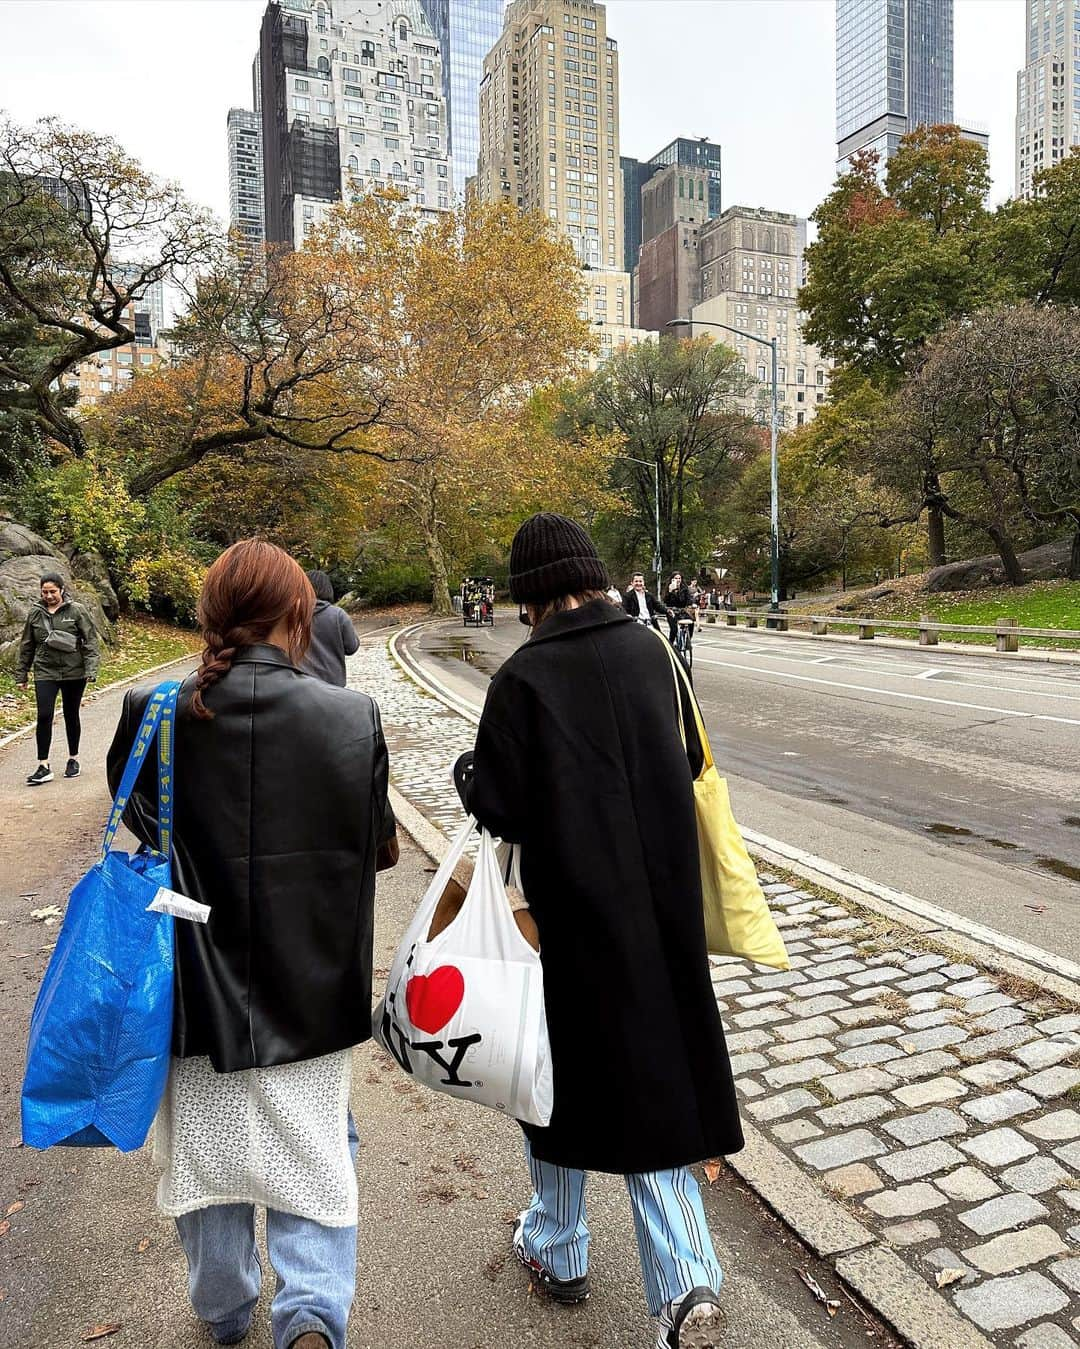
point(83, 1245)
point(952, 777)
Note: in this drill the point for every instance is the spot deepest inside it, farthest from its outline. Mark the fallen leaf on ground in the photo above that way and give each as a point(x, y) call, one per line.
point(143, 1245)
point(948, 1276)
point(5, 1227)
point(101, 1332)
point(1036, 908)
point(712, 1170)
point(830, 1304)
point(50, 911)
point(13, 1208)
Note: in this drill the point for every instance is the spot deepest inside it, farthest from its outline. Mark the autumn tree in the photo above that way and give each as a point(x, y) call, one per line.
point(272, 348)
point(466, 316)
point(84, 233)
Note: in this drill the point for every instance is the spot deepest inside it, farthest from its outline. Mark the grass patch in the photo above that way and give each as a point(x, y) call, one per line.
point(141, 644)
point(1041, 604)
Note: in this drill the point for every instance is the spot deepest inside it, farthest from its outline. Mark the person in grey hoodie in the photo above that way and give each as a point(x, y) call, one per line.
point(60, 645)
point(333, 636)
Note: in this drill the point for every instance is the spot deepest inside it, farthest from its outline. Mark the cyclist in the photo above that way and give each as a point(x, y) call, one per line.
point(640, 604)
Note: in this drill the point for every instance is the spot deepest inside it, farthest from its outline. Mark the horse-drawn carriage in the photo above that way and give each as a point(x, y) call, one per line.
point(478, 601)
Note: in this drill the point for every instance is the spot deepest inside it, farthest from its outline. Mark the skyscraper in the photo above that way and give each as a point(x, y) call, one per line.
point(681, 194)
point(1047, 89)
point(352, 100)
point(549, 123)
point(894, 72)
point(244, 137)
point(549, 141)
point(467, 30)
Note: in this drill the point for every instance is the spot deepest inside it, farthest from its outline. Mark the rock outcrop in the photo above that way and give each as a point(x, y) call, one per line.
point(24, 557)
point(1045, 563)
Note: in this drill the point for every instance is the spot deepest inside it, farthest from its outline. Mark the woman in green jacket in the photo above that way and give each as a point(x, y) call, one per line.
point(60, 645)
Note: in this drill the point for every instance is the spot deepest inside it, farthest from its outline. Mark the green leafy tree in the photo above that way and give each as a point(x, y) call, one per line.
point(1033, 244)
point(891, 265)
point(673, 404)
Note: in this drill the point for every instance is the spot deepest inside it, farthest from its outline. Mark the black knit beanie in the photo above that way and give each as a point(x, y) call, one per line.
point(552, 556)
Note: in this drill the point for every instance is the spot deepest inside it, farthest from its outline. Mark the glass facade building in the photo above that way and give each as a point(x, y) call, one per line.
point(894, 72)
point(467, 30)
point(635, 175)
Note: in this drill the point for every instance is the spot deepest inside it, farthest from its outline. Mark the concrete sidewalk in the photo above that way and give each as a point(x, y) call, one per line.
point(929, 1104)
point(82, 1247)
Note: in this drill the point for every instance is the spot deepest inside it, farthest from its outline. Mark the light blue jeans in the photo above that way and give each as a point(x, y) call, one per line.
point(315, 1268)
point(673, 1238)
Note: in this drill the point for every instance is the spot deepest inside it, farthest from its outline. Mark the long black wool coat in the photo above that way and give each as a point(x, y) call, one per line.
point(578, 758)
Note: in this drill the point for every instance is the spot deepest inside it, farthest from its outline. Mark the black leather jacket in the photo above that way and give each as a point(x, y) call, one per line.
point(281, 803)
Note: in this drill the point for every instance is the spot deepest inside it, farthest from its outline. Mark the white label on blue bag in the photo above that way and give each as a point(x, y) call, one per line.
point(178, 906)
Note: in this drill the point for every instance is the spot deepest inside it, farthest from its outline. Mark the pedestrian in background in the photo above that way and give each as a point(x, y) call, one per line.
point(281, 821)
point(333, 636)
point(60, 645)
point(579, 744)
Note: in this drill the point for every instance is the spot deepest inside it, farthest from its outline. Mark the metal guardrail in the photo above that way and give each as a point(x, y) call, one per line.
point(1007, 632)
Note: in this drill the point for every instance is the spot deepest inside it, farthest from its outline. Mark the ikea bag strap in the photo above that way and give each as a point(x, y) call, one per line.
point(158, 722)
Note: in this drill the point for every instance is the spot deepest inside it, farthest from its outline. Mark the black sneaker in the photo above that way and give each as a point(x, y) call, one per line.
point(43, 773)
point(694, 1322)
point(72, 770)
point(566, 1291)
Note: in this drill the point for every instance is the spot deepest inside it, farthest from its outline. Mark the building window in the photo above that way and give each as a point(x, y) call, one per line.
point(376, 168)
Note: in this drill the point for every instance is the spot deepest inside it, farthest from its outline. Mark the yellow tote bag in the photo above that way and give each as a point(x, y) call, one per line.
point(737, 917)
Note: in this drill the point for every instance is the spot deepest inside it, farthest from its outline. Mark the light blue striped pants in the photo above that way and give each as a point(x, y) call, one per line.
point(673, 1237)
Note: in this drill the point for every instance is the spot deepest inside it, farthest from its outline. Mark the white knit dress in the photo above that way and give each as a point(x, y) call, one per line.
point(271, 1136)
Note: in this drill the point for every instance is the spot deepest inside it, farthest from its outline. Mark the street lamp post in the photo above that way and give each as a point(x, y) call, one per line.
point(774, 475)
point(651, 463)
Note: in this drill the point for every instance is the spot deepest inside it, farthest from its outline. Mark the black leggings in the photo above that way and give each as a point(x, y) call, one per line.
point(71, 692)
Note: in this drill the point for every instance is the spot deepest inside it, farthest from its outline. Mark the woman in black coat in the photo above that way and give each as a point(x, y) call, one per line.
point(281, 820)
point(579, 759)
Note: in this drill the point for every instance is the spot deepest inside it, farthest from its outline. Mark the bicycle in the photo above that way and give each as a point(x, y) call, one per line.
point(684, 639)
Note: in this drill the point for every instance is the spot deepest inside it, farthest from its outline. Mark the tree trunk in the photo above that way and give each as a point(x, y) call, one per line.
point(1014, 573)
point(1074, 556)
point(935, 531)
point(440, 583)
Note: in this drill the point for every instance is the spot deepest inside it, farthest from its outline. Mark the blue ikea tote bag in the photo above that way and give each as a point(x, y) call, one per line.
point(98, 1053)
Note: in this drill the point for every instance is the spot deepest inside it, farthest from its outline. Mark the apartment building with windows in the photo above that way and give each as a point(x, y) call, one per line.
point(549, 141)
point(243, 133)
point(467, 30)
point(352, 101)
point(1047, 89)
point(549, 123)
point(109, 371)
point(752, 265)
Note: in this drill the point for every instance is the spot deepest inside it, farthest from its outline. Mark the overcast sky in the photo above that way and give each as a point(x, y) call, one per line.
point(756, 75)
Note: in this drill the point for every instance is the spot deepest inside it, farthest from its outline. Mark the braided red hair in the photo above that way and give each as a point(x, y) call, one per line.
point(250, 590)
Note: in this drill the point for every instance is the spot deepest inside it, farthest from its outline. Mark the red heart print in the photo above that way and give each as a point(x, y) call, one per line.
point(432, 999)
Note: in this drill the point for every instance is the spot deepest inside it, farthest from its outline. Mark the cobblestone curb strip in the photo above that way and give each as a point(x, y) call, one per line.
point(911, 1115)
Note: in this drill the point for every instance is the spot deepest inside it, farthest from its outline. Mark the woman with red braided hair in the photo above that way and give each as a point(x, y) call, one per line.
point(281, 820)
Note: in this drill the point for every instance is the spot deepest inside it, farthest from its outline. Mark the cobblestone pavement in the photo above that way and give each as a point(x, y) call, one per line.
point(938, 1102)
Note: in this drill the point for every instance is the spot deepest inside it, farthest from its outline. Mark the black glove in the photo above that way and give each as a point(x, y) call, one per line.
point(463, 777)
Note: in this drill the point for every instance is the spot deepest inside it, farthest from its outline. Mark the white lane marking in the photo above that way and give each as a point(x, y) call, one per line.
point(894, 693)
point(897, 670)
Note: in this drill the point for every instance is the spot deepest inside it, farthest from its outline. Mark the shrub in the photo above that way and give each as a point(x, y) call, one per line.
point(396, 583)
